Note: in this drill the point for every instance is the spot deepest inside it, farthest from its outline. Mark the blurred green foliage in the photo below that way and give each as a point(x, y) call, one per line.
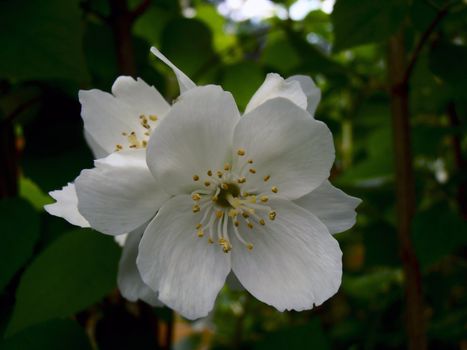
point(58, 287)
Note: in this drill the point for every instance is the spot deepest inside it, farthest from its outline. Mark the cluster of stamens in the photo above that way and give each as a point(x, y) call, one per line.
point(132, 138)
point(224, 201)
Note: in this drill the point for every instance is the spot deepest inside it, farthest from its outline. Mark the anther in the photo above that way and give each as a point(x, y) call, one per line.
point(241, 152)
point(219, 214)
point(249, 246)
point(250, 161)
point(118, 147)
point(219, 174)
point(226, 166)
point(210, 241)
point(241, 180)
point(153, 117)
point(266, 178)
point(274, 189)
point(272, 215)
point(224, 186)
point(209, 172)
point(207, 183)
point(245, 215)
point(252, 170)
point(195, 177)
point(262, 222)
point(200, 233)
point(264, 199)
point(196, 208)
point(199, 226)
point(250, 225)
point(195, 196)
point(124, 134)
point(144, 143)
point(215, 198)
point(237, 223)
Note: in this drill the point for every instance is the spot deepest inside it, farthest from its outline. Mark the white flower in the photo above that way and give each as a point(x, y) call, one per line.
point(121, 121)
point(248, 194)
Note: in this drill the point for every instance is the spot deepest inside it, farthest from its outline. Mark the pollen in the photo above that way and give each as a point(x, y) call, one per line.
point(266, 178)
point(274, 189)
point(241, 152)
point(210, 241)
point(227, 167)
point(196, 208)
point(153, 117)
point(250, 225)
point(241, 180)
point(252, 170)
point(262, 222)
point(219, 174)
point(207, 183)
point(209, 172)
point(195, 177)
point(249, 246)
point(250, 161)
point(264, 199)
point(200, 233)
point(199, 226)
point(224, 186)
point(196, 196)
point(219, 214)
point(118, 147)
point(272, 215)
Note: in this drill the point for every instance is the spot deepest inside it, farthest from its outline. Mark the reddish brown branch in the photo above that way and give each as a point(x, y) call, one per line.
point(405, 192)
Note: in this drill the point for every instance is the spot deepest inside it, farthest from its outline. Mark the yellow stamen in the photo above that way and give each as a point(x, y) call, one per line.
point(225, 186)
point(241, 180)
point(219, 214)
point(249, 246)
point(241, 152)
point(196, 196)
point(207, 183)
point(262, 222)
point(226, 166)
point(252, 170)
point(272, 215)
point(153, 117)
point(196, 208)
point(195, 177)
point(274, 189)
point(266, 178)
point(264, 199)
point(209, 172)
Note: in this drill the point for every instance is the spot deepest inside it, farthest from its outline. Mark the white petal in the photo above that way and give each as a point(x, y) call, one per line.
point(184, 82)
point(332, 206)
point(295, 263)
point(141, 97)
point(96, 149)
point(121, 239)
point(275, 86)
point(285, 143)
point(195, 137)
point(187, 271)
point(129, 280)
point(119, 194)
point(312, 92)
point(66, 206)
point(106, 117)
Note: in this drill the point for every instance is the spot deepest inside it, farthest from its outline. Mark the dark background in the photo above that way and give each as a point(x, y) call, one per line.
point(393, 75)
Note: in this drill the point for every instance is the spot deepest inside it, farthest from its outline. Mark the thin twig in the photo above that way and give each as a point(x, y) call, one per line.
point(139, 10)
point(424, 38)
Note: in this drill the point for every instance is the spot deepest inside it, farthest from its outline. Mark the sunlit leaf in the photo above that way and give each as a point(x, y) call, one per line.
point(75, 271)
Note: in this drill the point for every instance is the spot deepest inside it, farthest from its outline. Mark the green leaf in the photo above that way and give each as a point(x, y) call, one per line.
point(436, 233)
point(447, 61)
point(280, 54)
point(33, 194)
point(20, 231)
point(188, 43)
point(75, 271)
point(52, 335)
point(309, 336)
point(358, 22)
point(370, 285)
point(242, 79)
point(41, 40)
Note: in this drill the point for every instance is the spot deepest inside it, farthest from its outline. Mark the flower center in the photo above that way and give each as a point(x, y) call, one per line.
point(139, 138)
point(225, 203)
